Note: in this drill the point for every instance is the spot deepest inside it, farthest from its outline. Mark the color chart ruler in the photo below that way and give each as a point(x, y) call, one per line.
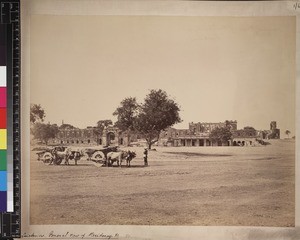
point(10, 164)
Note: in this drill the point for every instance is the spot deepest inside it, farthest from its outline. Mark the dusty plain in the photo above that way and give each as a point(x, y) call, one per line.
point(229, 186)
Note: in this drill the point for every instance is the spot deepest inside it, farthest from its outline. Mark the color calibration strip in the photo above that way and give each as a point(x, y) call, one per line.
point(10, 220)
point(3, 121)
point(6, 111)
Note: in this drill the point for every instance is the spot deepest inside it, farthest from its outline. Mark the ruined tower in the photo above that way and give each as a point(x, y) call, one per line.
point(273, 125)
point(275, 132)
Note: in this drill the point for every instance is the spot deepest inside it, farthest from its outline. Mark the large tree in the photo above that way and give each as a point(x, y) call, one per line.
point(44, 132)
point(37, 113)
point(157, 113)
point(104, 123)
point(220, 134)
point(127, 114)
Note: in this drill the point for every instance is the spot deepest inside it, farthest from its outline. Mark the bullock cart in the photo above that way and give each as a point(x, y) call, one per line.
point(46, 154)
point(99, 154)
point(56, 154)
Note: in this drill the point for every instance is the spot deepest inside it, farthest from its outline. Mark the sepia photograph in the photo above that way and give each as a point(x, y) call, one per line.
point(159, 120)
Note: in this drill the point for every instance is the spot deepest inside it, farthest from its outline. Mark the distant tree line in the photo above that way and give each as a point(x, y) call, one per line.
point(149, 118)
point(41, 131)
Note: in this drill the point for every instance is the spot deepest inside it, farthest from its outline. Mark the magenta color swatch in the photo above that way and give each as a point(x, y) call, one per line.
point(2, 97)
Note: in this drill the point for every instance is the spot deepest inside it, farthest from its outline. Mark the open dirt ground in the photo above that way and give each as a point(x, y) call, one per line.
point(241, 186)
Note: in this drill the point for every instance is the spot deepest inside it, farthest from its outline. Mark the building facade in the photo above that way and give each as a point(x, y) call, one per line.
point(196, 135)
point(91, 136)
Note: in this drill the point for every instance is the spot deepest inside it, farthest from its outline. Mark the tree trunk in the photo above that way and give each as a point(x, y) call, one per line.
point(128, 138)
point(149, 142)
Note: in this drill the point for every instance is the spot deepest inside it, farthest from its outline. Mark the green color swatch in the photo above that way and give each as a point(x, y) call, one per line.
point(3, 162)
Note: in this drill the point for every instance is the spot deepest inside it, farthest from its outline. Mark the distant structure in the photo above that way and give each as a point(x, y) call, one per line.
point(91, 136)
point(198, 134)
point(273, 133)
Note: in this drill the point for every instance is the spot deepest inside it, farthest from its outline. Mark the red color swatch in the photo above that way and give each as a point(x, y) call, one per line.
point(2, 118)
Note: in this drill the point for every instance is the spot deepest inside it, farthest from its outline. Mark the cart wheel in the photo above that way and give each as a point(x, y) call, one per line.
point(47, 158)
point(98, 156)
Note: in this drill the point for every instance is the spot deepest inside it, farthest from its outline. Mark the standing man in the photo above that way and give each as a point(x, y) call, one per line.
point(146, 157)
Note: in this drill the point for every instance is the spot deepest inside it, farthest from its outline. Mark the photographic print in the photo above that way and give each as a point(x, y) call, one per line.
point(159, 120)
point(162, 120)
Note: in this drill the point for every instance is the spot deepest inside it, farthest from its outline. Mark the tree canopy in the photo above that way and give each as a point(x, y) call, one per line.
point(101, 124)
point(222, 134)
point(104, 123)
point(250, 131)
point(37, 113)
point(44, 132)
point(66, 125)
point(127, 113)
point(157, 113)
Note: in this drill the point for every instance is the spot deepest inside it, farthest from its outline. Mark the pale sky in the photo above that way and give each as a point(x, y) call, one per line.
point(216, 68)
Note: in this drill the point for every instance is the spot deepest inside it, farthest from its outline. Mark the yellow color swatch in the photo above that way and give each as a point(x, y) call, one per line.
point(3, 144)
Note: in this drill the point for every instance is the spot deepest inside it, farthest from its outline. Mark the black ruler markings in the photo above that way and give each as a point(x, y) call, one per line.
point(10, 15)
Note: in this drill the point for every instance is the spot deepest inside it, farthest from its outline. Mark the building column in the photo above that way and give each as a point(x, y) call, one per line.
point(185, 142)
point(197, 142)
point(204, 142)
point(104, 141)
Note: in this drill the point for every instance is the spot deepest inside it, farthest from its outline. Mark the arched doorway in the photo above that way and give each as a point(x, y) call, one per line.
point(110, 138)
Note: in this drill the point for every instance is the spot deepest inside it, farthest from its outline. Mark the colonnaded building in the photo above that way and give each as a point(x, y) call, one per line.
point(196, 135)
